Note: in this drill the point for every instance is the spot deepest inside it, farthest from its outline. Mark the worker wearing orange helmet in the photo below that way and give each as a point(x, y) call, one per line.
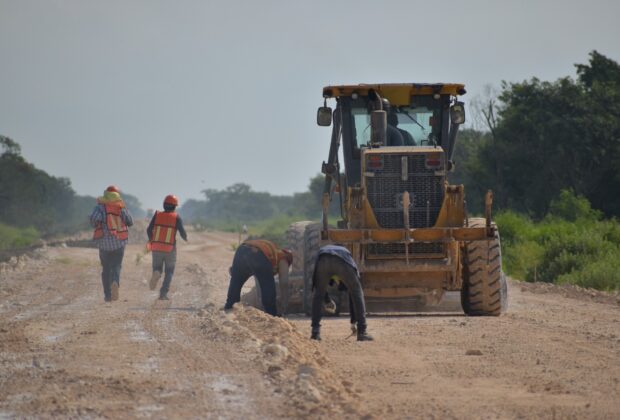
point(262, 259)
point(113, 188)
point(162, 242)
point(111, 220)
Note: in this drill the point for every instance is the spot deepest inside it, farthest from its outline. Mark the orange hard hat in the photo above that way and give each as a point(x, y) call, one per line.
point(113, 188)
point(171, 199)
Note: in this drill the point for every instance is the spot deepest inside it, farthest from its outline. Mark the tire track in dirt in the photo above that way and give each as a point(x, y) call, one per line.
point(65, 353)
point(535, 361)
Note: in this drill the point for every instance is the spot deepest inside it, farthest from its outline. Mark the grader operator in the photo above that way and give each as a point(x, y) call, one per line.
point(405, 225)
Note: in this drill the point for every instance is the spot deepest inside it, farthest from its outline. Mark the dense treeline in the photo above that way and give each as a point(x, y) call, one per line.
point(550, 151)
point(551, 154)
point(239, 204)
point(544, 137)
point(540, 138)
point(34, 203)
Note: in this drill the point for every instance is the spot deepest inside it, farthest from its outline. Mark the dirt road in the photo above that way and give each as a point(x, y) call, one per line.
point(64, 352)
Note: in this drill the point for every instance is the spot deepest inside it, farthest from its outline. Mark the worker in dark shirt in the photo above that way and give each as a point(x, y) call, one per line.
point(394, 137)
point(162, 242)
point(392, 120)
point(335, 264)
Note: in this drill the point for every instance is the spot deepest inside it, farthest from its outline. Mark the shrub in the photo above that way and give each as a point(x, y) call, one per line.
point(571, 207)
point(13, 238)
point(523, 259)
point(513, 227)
point(568, 251)
point(274, 229)
point(601, 274)
point(570, 245)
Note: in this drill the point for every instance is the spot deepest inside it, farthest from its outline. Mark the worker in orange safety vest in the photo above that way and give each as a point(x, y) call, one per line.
point(262, 259)
point(162, 242)
point(110, 218)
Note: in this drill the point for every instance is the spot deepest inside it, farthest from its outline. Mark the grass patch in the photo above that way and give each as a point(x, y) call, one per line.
point(64, 260)
point(273, 229)
point(571, 246)
point(15, 238)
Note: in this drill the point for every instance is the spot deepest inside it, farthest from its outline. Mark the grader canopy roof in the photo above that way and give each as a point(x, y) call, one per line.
point(397, 93)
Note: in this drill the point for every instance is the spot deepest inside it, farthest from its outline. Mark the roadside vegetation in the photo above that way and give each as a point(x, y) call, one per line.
point(34, 204)
point(13, 238)
point(571, 244)
point(265, 215)
point(536, 138)
point(549, 150)
point(273, 229)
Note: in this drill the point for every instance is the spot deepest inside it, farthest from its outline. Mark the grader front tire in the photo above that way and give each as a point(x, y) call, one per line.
point(484, 290)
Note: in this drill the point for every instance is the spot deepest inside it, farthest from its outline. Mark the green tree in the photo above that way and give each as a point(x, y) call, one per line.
point(548, 136)
point(470, 170)
point(9, 146)
point(31, 198)
point(134, 206)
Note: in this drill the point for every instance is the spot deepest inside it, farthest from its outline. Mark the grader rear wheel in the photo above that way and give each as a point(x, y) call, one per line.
point(484, 291)
point(303, 239)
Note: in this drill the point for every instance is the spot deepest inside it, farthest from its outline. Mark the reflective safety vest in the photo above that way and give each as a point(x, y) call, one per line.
point(269, 249)
point(114, 221)
point(164, 231)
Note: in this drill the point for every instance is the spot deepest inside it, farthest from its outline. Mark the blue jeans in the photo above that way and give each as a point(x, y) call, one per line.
point(111, 262)
point(249, 261)
point(165, 261)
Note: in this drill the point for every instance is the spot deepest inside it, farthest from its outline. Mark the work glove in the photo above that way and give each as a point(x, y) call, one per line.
point(329, 307)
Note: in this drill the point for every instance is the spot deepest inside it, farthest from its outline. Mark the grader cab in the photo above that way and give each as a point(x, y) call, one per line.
point(405, 225)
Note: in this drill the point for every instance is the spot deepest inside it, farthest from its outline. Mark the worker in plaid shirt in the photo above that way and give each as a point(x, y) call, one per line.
point(110, 218)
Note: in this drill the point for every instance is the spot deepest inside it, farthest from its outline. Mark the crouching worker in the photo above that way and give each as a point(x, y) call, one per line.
point(261, 259)
point(335, 263)
point(110, 219)
point(162, 233)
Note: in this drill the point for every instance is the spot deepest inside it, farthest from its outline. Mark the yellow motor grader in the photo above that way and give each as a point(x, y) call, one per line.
point(407, 228)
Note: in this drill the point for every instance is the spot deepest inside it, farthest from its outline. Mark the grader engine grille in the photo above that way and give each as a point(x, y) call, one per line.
point(386, 180)
point(399, 249)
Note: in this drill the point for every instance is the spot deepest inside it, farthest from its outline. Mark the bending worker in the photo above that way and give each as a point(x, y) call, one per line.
point(162, 233)
point(262, 259)
point(335, 263)
point(110, 219)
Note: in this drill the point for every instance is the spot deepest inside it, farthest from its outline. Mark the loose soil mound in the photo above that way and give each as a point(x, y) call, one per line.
point(295, 365)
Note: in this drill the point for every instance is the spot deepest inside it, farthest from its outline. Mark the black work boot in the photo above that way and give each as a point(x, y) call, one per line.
point(362, 335)
point(316, 334)
point(163, 296)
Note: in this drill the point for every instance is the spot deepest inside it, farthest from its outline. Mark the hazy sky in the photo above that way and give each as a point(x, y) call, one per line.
point(166, 97)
